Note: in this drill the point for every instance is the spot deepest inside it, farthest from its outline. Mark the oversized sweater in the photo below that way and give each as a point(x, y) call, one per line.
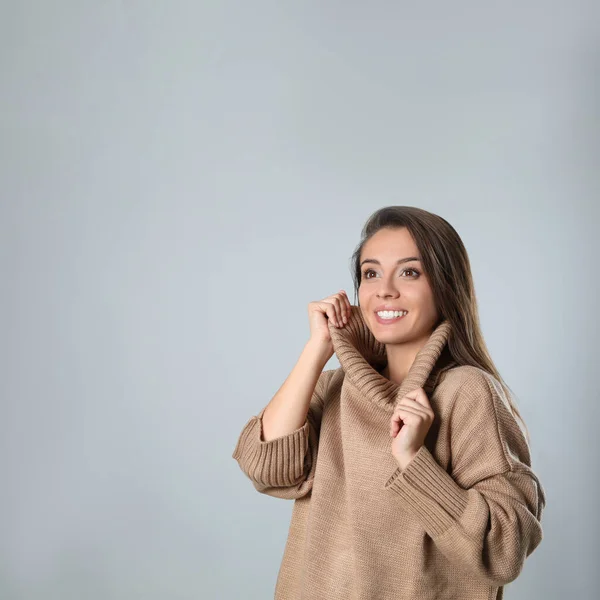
point(456, 524)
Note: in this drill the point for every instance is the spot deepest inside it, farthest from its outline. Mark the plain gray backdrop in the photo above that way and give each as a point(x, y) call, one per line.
point(180, 179)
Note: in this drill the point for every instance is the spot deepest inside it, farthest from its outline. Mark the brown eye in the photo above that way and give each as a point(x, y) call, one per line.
point(413, 270)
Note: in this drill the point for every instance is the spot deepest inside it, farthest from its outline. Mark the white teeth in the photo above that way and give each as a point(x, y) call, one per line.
point(390, 314)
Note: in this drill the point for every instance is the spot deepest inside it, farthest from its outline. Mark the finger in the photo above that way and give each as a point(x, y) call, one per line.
point(334, 311)
point(419, 396)
point(404, 417)
point(396, 423)
point(341, 295)
point(348, 306)
point(329, 310)
point(407, 414)
point(410, 403)
point(338, 310)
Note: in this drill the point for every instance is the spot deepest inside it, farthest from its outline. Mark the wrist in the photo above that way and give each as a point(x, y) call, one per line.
point(320, 351)
point(404, 460)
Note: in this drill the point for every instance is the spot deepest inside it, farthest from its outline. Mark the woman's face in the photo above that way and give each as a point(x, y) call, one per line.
point(397, 286)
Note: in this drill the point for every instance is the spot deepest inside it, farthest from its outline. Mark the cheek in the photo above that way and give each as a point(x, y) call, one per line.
point(419, 293)
point(428, 303)
point(362, 301)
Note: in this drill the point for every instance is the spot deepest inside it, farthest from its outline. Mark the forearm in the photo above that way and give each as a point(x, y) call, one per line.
point(288, 409)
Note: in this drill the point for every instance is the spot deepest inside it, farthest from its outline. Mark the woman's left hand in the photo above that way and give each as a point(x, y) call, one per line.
point(409, 425)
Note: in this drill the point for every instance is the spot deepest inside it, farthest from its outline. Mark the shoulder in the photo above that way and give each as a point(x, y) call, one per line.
point(327, 381)
point(335, 379)
point(476, 396)
point(465, 374)
point(472, 385)
point(481, 416)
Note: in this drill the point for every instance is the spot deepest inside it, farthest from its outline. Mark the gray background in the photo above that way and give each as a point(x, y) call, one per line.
point(179, 180)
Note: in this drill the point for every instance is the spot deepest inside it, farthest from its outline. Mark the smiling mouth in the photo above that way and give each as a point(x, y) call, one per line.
point(387, 321)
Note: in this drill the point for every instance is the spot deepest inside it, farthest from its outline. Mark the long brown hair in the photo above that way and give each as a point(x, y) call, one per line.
point(446, 264)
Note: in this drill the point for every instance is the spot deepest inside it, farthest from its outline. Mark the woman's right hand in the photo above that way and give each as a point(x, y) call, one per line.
point(334, 308)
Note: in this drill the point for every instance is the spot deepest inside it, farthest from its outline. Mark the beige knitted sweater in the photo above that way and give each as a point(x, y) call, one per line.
point(456, 524)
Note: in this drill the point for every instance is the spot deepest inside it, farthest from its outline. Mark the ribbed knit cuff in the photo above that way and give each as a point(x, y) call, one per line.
point(429, 491)
point(275, 463)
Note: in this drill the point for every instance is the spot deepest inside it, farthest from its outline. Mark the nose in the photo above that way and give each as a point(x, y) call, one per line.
point(386, 289)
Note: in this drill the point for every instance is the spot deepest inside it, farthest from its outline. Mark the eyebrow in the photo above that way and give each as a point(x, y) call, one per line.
point(398, 262)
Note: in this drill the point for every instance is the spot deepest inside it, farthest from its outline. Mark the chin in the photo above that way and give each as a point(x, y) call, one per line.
point(390, 333)
point(391, 338)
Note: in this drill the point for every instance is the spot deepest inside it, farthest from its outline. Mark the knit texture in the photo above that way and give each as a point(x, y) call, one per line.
point(456, 524)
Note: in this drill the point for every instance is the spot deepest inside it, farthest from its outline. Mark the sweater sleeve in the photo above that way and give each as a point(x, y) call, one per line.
point(484, 516)
point(284, 467)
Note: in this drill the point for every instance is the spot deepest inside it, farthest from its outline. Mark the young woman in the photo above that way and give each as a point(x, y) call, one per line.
point(409, 464)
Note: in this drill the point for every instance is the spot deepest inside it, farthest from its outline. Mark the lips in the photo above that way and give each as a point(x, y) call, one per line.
point(389, 321)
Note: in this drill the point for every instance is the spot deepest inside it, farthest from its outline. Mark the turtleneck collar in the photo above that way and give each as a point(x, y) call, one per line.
point(361, 357)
